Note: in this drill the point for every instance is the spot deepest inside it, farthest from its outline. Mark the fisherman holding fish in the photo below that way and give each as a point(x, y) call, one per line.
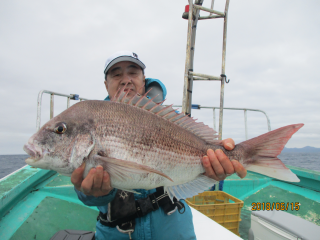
point(143, 214)
point(137, 160)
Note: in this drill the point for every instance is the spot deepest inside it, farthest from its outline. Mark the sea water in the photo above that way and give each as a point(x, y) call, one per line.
point(10, 163)
point(304, 160)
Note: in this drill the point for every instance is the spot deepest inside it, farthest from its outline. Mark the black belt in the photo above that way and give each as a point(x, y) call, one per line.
point(146, 205)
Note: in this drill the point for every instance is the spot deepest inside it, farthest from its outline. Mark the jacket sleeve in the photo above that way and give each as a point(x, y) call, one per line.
point(96, 201)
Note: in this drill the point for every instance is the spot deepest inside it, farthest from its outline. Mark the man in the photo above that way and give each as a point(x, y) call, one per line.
point(95, 190)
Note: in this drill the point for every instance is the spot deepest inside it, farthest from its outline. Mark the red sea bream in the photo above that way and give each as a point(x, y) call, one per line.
point(144, 145)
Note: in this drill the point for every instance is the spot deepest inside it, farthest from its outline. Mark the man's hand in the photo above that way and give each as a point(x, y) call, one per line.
point(96, 183)
point(218, 166)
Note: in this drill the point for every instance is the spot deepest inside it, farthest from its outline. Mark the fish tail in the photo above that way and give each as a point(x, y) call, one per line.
point(261, 153)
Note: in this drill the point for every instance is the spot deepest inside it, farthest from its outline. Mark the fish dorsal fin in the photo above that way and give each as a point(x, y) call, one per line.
point(167, 112)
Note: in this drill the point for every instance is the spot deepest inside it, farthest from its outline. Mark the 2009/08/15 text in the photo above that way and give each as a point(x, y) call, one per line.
point(278, 206)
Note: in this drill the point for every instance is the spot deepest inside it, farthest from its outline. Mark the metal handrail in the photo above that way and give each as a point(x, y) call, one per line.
point(71, 96)
point(196, 106)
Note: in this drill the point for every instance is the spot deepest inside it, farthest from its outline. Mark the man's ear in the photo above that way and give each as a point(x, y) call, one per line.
point(105, 83)
point(144, 79)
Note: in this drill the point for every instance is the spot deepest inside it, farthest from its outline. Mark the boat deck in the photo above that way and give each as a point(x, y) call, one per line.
point(52, 203)
point(32, 198)
point(257, 189)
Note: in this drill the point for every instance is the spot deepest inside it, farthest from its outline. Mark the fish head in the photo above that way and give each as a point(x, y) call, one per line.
point(63, 143)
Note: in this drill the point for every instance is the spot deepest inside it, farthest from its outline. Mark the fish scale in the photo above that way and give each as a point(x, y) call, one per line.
point(157, 134)
point(144, 145)
point(153, 146)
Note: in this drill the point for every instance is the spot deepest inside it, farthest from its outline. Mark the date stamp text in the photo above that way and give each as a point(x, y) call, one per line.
point(278, 206)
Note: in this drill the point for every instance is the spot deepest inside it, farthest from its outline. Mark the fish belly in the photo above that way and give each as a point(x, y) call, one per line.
point(179, 166)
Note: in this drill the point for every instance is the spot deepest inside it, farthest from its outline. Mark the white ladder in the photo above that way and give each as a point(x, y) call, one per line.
point(189, 74)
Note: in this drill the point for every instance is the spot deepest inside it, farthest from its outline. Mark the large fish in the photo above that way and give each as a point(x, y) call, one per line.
point(144, 145)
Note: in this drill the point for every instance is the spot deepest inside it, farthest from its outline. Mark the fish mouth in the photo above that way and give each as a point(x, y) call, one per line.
point(35, 155)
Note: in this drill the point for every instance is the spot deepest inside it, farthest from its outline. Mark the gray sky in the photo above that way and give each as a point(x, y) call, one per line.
point(272, 57)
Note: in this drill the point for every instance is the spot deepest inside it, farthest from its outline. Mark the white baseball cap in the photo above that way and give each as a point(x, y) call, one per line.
point(120, 57)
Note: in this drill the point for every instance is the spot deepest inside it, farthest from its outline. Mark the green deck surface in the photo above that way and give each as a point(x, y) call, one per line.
point(257, 188)
point(19, 184)
point(56, 215)
point(13, 180)
point(59, 181)
point(238, 187)
point(308, 209)
point(41, 203)
point(35, 204)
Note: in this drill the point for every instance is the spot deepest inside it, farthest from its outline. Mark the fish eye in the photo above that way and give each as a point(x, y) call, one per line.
point(61, 128)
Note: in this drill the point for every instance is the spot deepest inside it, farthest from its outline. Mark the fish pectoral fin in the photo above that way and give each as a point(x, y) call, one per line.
point(121, 168)
point(190, 189)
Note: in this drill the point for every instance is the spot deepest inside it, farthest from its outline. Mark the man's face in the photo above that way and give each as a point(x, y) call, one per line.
point(122, 73)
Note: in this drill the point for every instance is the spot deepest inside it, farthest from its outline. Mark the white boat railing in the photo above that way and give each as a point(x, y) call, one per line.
point(194, 106)
point(70, 96)
point(197, 106)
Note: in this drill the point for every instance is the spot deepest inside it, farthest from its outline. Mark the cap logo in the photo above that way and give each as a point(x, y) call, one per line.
point(135, 55)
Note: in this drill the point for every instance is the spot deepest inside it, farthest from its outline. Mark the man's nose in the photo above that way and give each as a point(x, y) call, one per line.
point(126, 79)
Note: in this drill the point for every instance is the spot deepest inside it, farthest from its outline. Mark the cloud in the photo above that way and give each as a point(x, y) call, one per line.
point(272, 60)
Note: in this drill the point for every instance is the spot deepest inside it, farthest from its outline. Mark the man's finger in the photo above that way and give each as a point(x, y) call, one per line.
point(216, 165)
point(77, 176)
point(106, 184)
point(97, 179)
point(225, 162)
point(239, 169)
point(105, 187)
point(228, 143)
point(87, 183)
point(208, 168)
